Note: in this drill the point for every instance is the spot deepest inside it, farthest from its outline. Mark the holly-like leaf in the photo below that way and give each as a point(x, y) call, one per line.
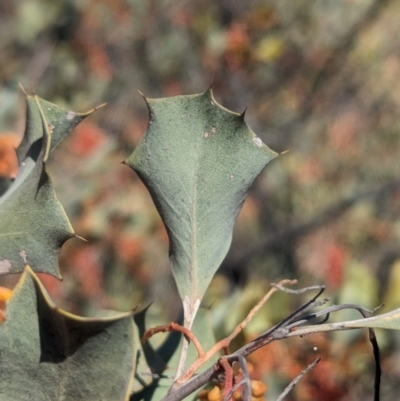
point(198, 161)
point(45, 117)
point(49, 354)
point(33, 224)
point(32, 220)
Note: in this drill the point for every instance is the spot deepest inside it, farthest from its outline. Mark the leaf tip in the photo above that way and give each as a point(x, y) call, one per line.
point(211, 82)
point(22, 88)
point(81, 238)
point(143, 96)
point(32, 90)
point(242, 115)
point(284, 152)
point(209, 91)
point(100, 106)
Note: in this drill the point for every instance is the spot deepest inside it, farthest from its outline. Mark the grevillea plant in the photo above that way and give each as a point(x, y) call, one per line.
point(197, 160)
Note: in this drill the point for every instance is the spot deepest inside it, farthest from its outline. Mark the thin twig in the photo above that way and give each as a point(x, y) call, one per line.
point(228, 376)
point(251, 314)
point(312, 303)
point(297, 379)
point(234, 388)
point(280, 331)
point(327, 311)
point(292, 232)
point(175, 327)
point(212, 373)
point(377, 359)
point(224, 343)
point(246, 392)
point(299, 291)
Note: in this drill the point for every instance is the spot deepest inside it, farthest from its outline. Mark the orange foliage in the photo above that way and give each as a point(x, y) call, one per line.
point(87, 270)
point(8, 157)
point(87, 137)
point(238, 42)
point(53, 285)
point(129, 249)
point(5, 295)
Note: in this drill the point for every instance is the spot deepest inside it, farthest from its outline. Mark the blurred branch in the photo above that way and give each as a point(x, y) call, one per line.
point(39, 61)
point(344, 46)
point(296, 231)
point(297, 379)
point(319, 76)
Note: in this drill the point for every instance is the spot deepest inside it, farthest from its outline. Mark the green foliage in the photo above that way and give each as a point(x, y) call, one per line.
point(198, 161)
point(47, 119)
point(390, 321)
point(49, 354)
point(33, 221)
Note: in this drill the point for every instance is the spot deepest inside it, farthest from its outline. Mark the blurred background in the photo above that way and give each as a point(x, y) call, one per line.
point(319, 78)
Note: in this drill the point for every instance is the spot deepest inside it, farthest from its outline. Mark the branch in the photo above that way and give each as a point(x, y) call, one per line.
point(214, 371)
point(175, 327)
point(321, 76)
point(285, 329)
point(297, 379)
point(293, 232)
point(224, 343)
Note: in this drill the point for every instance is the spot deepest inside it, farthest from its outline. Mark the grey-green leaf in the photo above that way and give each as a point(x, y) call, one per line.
point(390, 320)
point(43, 116)
point(32, 220)
point(49, 354)
point(33, 224)
point(198, 161)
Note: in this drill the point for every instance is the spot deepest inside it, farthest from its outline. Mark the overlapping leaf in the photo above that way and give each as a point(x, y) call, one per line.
point(43, 116)
point(49, 354)
point(198, 161)
point(33, 224)
point(164, 360)
point(390, 321)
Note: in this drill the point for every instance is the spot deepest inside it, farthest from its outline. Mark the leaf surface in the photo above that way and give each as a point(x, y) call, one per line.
point(45, 117)
point(198, 161)
point(32, 220)
point(390, 320)
point(49, 354)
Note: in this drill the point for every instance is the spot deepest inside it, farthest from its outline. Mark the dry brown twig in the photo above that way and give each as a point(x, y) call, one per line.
point(221, 345)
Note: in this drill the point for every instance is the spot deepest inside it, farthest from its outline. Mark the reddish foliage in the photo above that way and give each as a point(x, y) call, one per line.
point(87, 270)
point(328, 381)
point(8, 157)
point(237, 48)
point(86, 138)
point(335, 255)
point(53, 286)
point(129, 249)
point(310, 171)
